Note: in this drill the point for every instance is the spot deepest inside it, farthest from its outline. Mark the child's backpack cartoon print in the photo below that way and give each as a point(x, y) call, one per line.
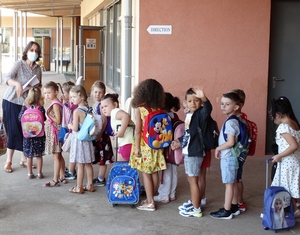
point(32, 122)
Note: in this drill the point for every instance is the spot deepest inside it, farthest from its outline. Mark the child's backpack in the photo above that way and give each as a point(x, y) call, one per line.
point(32, 122)
point(54, 129)
point(241, 148)
point(91, 126)
point(175, 156)
point(252, 130)
point(210, 133)
point(278, 208)
point(3, 139)
point(157, 129)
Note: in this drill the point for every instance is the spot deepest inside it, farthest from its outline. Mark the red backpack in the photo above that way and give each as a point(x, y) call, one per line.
point(252, 131)
point(157, 131)
point(32, 122)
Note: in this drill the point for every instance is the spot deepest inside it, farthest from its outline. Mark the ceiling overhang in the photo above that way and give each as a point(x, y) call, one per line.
point(52, 8)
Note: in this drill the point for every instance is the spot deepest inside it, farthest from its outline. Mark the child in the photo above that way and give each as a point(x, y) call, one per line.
point(110, 108)
point(192, 147)
point(67, 117)
point(230, 105)
point(53, 146)
point(167, 189)
point(288, 140)
point(81, 152)
point(279, 220)
point(143, 158)
point(34, 146)
point(103, 147)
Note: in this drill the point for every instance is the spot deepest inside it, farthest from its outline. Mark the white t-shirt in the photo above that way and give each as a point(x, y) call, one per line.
point(186, 136)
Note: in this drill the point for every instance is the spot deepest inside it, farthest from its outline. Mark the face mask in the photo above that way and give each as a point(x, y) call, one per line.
point(32, 56)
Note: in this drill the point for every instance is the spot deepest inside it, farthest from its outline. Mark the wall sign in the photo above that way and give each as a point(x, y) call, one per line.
point(90, 43)
point(160, 29)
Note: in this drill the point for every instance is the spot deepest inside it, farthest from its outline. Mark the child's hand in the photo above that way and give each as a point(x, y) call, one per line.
point(199, 92)
point(137, 153)
point(276, 158)
point(175, 144)
point(217, 153)
point(69, 126)
point(119, 134)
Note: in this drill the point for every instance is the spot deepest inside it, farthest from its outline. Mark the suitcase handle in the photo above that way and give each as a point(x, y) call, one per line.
point(267, 170)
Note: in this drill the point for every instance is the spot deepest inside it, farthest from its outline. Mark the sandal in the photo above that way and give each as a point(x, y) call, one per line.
point(75, 190)
point(64, 181)
point(7, 167)
point(147, 207)
point(40, 176)
point(50, 184)
point(90, 188)
point(30, 176)
point(24, 164)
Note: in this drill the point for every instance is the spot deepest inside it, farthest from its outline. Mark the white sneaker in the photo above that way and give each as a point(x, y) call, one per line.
point(203, 201)
point(191, 212)
point(186, 205)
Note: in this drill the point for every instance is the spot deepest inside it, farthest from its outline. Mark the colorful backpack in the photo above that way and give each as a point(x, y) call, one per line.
point(175, 156)
point(32, 122)
point(252, 130)
point(157, 131)
point(241, 148)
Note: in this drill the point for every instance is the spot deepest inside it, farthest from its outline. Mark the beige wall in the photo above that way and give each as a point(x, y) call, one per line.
point(217, 44)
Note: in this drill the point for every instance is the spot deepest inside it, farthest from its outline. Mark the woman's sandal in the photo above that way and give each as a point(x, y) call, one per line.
point(76, 189)
point(90, 188)
point(147, 207)
point(24, 164)
point(64, 181)
point(52, 184)
point(7, 167)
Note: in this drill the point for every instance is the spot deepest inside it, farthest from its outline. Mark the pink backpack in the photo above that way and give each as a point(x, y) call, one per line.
point(32, 122)
point(53, 127)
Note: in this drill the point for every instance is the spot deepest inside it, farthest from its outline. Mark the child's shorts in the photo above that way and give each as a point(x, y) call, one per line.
point(192, 165)
point(125, 151)
point(206, 160)
point(228, 170)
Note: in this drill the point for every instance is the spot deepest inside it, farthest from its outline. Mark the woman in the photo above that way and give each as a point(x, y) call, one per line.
point(22, 71)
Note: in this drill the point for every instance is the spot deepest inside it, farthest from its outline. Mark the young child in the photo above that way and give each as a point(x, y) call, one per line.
point(167, 189)
point(110, 108)
point(34, 146)
point(67, 117)
point(81, 152)
point(53, 146)
point(143, 158)
point(192, 147)
point(230, 105)
point(288, 140)
point(102, 145)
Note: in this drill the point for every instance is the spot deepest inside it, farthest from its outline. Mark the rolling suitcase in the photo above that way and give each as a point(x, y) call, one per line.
point(123, 186)
point(278, 208)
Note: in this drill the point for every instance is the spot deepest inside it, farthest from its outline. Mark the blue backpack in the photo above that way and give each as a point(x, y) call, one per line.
point(241, 148)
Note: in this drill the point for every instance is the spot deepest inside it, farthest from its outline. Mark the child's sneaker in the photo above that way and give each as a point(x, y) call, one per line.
point(242, 207)
point(70, 176)
point(186, 205)
point(203, 201)
point(97, 182)
point(221, 214)
point(191, 212)
point(235, 210)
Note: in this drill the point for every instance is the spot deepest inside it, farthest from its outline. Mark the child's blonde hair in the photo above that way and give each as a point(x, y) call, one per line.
point(79, 89)
point(34, 97)
point(99, 85)
point(66, 86)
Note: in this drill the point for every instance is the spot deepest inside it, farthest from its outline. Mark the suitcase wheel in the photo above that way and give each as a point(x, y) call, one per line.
point(114, 205)
point(132, 205)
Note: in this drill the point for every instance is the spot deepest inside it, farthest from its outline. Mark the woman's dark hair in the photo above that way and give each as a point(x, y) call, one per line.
point(171, 102)
point(113, 97)
point(283, 106)
point(27, 48)
point(149, 92)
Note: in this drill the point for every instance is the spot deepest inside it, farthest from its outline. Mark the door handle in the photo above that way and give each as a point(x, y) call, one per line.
point(275, 79)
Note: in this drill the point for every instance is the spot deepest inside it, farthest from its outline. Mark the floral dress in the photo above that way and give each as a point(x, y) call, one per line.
point(52, 143)
point(288, 176)
point(151, 160)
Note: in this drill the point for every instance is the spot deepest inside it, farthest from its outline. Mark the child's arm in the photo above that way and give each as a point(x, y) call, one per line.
point(137, 132)
point(207, 107)
point(228, 144)
point(293, 146)
point(125, 119)
point(76, 120)
point(57, 114)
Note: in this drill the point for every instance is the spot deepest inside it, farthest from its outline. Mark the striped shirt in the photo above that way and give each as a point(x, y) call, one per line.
point(20, 72)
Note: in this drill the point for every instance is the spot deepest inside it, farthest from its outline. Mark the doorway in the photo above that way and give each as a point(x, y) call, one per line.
point(284, 69)
point(90, 55)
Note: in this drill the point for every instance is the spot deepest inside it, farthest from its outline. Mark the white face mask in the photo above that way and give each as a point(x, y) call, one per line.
point(32, 56)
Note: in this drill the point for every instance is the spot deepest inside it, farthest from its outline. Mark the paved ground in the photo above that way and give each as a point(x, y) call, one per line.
point(28, 208)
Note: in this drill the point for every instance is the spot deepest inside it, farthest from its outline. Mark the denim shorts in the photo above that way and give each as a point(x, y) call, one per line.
point(192, 165)
point(228, 170)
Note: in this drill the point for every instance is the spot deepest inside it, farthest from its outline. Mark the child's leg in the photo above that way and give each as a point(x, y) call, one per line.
point(57, 161)
point(149, 187)
point(174, 181)
point(102, 171)
point(72, 166)
point(164, 185)
point(229, 190)
point(202, 183)
point(195, 191)
point(89, 173)
point(240, 187)
point(80, 174)
point(155, 181)
point(29, 166)
point(62, 169)
point(39, 163)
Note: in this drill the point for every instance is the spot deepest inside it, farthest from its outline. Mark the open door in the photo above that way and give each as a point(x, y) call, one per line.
point(90, 55)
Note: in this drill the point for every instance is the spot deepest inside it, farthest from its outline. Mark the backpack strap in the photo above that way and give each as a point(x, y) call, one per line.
point(242, 138)
point(53, 127)
point(231, 117)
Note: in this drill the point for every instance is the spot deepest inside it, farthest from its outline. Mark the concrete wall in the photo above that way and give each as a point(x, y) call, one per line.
point(217, 44)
